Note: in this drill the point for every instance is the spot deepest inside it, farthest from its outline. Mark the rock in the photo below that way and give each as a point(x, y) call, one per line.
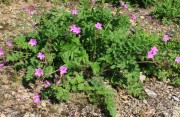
point(43, 103)
point(26, 114)
point(176, 112)
point(142, 17)
point(7, 96)
point(32, 115)
point(142, 77)
point(150, 93)
point(1, 27)
point(13, 93)
point(165, 114)
point(175, 98)
point(145, 101)
point(2, 115)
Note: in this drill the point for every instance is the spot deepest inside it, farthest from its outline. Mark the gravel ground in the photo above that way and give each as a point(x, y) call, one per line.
point(16, 100)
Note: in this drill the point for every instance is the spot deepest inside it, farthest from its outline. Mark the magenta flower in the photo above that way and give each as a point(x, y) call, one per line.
point(177, 59)
point(35, 6)
point(32, 11)
point(24, 8)
point(47, 83)
point(58, 82)
point(33, 42)
point(56, 76)
point(166, 38)
point(39, 72)
point(36, 98)
point(149, 18)
point(93, 1)
point(9, 43)
point(154, 48)
point(74, 12)
point(98, 25)
point(29, 11)
point(1, 52)
point(75, 29)
point(41, 55)
point(152, 52)
point(63, 70)
point(123, 4)
point(132, 16)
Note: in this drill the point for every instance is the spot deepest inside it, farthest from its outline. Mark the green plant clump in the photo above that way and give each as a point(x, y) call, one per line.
point(91, 50)
point(167, 10)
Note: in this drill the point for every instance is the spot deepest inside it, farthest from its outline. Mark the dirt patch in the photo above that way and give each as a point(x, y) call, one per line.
point(16, 100)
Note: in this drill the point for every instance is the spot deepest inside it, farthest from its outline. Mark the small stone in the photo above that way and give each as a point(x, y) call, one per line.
point(175, 98)
point(32, 115)
point(142, 77)
point(43, 104)
point(13, 93)
point(26, 114)
point(176, 112)
point(150, 93)
point(142, 17)
point(145, 101)
point(2, 115)
point(165, 114)
point(1, 27)
point(7, 96)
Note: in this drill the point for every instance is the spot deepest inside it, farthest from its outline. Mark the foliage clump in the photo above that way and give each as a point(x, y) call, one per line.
point(89, 49)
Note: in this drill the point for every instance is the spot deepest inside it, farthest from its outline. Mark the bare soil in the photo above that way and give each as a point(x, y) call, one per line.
point(16, 100)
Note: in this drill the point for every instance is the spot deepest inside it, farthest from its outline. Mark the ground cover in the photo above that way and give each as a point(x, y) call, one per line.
point(151, 105)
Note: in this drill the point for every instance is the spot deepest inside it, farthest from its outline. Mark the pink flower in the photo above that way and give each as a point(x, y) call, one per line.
point(177, 59)
point(9, 43)
point(152, 52)
point(33, 42)
point(166, 38)
point(63, 70)
point(93, 1)
point(36, 98)
point(123, 4)
point(35, 6)
point(39, 72)
point(154, 48)
point(32, 10)
point(149, 18)
point(56, 76)
point(98, 25)
point(74, 12)
point(47, 83)
point(75, 29)
point(41, 55)
point(58, 82)
point(24, 8)
point(29, 11)
point(132, 16)
point(1, 52)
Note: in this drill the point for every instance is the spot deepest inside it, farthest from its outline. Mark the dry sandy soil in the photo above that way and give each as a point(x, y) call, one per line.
point(16, 100)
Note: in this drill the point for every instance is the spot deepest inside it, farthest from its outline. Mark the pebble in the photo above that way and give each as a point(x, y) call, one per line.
point(150, 93)
point(7, 96)
point(142, 17)
point(142, 77)
point(43, 104)
point(2, 115)
point(1, 27)
point(145, 101)
point(165, 114)
point(26, 114)
point(175, 98)
point(176, 112)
